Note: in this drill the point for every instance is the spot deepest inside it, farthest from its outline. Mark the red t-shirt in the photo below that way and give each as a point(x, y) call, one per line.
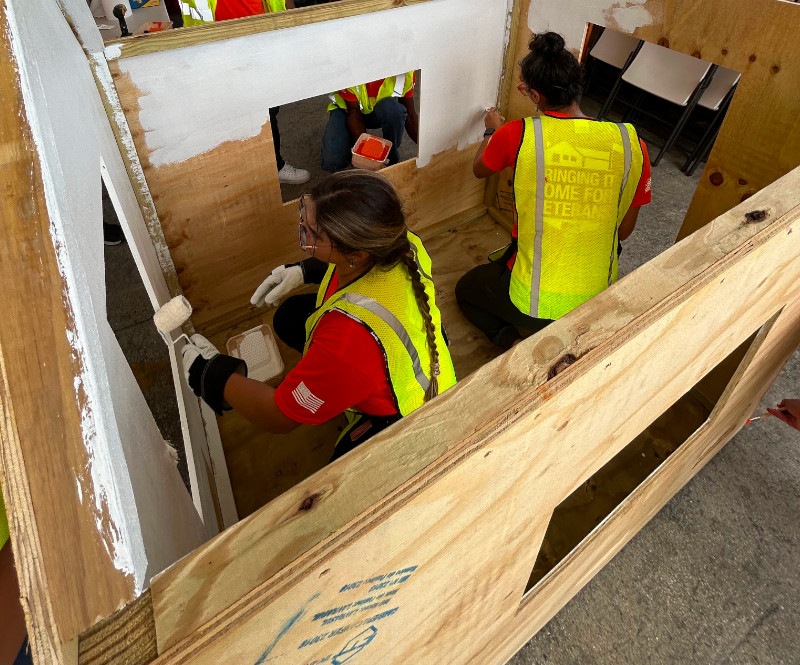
point(344, 367)
point(372, 90)
point(227, 9)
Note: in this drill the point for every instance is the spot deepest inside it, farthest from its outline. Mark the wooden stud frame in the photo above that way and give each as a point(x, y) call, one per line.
point(426, 536)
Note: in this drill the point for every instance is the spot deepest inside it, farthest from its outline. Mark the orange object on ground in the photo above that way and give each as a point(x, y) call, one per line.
point(373, 149)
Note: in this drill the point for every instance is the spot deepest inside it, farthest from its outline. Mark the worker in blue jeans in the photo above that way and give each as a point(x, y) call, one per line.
point(387, 104)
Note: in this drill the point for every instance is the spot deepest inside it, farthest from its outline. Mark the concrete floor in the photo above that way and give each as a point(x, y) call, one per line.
point(711, 579)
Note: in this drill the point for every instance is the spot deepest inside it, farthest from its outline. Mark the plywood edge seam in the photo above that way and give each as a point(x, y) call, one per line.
point(530, 399)
point(133, 167)
point(212, 32)
point(505, 86)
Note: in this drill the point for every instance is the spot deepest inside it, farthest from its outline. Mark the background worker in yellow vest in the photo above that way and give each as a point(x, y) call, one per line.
point(229, 9)
point(371, 338)
point(578, 186)
point(13, 643)
point(197, 12)
point(387, 104)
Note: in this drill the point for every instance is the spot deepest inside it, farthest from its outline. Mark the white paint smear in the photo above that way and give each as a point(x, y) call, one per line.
point(196, 98)
point(569, 17)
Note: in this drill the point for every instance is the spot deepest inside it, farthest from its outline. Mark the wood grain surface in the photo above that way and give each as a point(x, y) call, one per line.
point(399, 500)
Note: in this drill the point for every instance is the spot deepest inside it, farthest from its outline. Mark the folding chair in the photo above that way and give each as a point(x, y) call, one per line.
point(613, 48)
point(677, 78)
point(717, 98)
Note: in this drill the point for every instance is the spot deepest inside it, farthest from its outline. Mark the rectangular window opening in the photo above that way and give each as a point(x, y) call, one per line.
point(581, 512)
point(314, 136)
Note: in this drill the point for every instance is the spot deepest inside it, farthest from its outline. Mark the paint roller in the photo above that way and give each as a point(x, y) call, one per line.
point(171, 316)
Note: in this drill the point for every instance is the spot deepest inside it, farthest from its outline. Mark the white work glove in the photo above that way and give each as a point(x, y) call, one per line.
point(281, 281)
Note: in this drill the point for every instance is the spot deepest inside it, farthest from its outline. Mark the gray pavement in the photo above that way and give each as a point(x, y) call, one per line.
point(711, 579)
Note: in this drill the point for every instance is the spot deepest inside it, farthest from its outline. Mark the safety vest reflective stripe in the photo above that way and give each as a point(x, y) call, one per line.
point(536, 270)
point(197, 11)
point(626, 146)
point(394, 323)
point(392, 86)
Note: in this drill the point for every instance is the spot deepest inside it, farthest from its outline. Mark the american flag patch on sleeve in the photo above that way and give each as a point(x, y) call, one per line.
point(305, 398)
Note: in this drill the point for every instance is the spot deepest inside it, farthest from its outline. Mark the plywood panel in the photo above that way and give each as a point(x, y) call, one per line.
point(665, 317)
point(58, 544)
point(457, 559)
point(760, 139)
point(225, 223)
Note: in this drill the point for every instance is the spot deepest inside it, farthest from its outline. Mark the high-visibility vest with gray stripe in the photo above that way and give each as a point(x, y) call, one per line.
point(383, 301)
point(574, 180)
point(197, 12)
point(392, 86)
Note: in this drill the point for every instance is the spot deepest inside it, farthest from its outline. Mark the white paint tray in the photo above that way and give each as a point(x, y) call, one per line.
point(258, 349)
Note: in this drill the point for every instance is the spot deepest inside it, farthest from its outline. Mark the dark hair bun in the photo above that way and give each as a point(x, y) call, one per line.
point(547, 44)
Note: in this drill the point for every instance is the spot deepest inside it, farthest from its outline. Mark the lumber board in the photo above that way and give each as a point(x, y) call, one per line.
point(212, 32)
point(58, 544)
point(230, 197)
point(760, 138)
point(682, 300)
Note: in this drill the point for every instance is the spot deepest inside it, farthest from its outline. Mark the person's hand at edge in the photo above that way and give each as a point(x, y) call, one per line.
point(788, 410)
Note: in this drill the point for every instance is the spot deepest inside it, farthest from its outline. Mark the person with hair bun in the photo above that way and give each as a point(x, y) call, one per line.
point(578, 187)
point(371, 337)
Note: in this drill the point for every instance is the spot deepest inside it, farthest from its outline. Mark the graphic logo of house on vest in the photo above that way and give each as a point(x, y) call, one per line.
point(355, 646)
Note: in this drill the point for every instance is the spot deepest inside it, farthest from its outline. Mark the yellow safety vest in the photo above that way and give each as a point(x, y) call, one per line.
point(198, 12)
point(383, 301)
point(392, 86)
point(574, 180)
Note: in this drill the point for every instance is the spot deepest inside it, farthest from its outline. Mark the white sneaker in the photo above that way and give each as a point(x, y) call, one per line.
point(289, 175)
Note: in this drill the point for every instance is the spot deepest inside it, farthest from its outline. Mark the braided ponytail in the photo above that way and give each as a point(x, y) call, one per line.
point(409, 260)
point(360, 210)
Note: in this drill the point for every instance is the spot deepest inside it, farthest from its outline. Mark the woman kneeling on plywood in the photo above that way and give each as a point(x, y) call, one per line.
point(578, 186)
point(371, 337)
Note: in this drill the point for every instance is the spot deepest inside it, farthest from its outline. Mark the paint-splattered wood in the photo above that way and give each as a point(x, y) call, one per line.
point(202, 34)
point(760, 139)
point(66, 575)
point(225, 223)
point(641, 345)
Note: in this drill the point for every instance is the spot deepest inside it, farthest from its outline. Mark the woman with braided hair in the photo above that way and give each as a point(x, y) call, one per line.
point(371, 337)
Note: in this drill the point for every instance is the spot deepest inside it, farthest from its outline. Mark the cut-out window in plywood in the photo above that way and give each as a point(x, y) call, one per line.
point(317, 136)
point(591, 503)
point(130, 316)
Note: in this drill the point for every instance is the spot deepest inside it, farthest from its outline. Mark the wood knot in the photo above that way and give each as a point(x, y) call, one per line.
point(724, 51)
point(308, 503)
point(755, 216)
point(752, 58)
point(745, 196)
point(716, 178)
point(697, 54)
point(560, 365)
point(742, 181)
point(775, 69)
point(663, 42)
